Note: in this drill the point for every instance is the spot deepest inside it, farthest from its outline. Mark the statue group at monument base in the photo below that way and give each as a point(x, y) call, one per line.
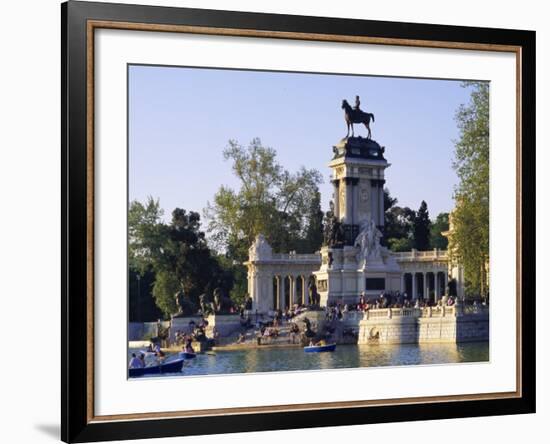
point(344, 275)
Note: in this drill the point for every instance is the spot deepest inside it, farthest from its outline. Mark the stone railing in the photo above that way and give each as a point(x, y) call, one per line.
point(424, 312)
point(475, 309)
point(415, 255)
point(353, 316)
point(315, 257)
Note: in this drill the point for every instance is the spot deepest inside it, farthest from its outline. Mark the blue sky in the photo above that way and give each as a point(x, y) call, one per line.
point(180, 120)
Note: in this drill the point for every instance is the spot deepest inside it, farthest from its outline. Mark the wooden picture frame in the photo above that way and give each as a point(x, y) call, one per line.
point(79, 22)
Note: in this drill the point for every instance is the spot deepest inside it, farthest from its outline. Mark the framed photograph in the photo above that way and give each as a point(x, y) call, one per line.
point(275, 221)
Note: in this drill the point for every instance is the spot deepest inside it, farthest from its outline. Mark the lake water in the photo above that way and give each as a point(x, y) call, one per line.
point(345, 356)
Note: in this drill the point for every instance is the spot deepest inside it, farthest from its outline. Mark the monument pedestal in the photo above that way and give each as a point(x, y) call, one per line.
point(354, 262)
point(183, 324)
point(343, 277)
point(225, 324)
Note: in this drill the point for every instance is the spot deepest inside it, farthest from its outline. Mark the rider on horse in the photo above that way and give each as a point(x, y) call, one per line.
point(356, 115)
point(357, 104)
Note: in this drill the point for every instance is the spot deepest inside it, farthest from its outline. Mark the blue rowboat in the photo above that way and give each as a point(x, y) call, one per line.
point(320, 348)
point(148, 353)
point(166, 367)
point(185, 355)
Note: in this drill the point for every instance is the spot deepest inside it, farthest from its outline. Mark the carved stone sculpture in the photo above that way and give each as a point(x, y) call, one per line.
point(333, 230)
point(222, 303)
point(260, 249)
point(368, 241)
point(206, 305)
point(183, 305)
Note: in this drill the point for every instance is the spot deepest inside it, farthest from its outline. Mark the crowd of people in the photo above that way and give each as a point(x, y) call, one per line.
point(337, 310)
point(197, 332)
point(268, 326)
point(399, 299)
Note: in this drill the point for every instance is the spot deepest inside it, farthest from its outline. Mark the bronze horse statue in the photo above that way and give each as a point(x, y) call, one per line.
point(356, 116)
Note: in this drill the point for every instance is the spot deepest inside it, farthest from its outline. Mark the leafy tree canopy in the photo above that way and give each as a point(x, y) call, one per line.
point(469, 240)
point(176, 252)
point(421, 228)
point(440, 225)
point(282, 205)
point(398, 222)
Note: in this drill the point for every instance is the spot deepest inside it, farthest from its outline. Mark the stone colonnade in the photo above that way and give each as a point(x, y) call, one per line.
point(274, 287)
point(295, 293)
point(279, 280)
point(424, 284)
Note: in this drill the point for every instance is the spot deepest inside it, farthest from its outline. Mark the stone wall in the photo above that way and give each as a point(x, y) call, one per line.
point(138, 331)
point(419, 326)
point(226, 324)
point(473, 327)
point(182, 324)
point(404, 326)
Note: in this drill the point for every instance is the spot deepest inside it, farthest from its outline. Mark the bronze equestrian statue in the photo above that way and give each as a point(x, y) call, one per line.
point(356, 115)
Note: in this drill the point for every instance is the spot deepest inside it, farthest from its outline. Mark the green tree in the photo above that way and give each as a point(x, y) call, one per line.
point(142, 307)
point(314, 225)
point(441, 224)
point(401, 244)
point(469, 237)
point(398, 223)
point(164, 290)
point(270, 200)
point(176, 253)
point(186, 256)
point(145, 237)
point(281, 205)
point(421, 228)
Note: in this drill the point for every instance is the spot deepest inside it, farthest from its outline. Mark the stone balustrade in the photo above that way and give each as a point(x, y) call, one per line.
point(424, 312)
point(313, 258)
point(415, 255)
point(423, 325)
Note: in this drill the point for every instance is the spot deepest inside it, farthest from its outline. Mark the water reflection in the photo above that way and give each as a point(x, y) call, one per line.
point(345, 356)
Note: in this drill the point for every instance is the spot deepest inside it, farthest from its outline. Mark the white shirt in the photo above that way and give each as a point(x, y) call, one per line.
point(136, 363)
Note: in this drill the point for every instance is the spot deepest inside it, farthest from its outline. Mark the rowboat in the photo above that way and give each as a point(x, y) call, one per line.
point(186, 355)
point(166, 367)
point(320, 348)
point(148, 353)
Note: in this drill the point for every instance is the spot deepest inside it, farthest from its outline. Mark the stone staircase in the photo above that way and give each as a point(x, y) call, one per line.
point(285, 338)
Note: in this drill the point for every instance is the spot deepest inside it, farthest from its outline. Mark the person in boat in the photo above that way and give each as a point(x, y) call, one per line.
point(149, 348)
point(188, 348)
point(142, 359)
point(158, 352)
point(135, 362)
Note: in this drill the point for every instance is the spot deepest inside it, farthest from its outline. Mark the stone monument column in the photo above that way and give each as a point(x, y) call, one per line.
point(336, 184)
point(348, 219)
point(353, 257)
point(375, 206)
point(293, 283)
point(425, 286)
point(281, 293)
point(381, 203)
